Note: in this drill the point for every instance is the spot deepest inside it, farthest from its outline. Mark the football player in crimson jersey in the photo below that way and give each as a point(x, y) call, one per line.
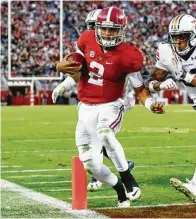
point(177, 59)
point(109, 61)
point(128, 99)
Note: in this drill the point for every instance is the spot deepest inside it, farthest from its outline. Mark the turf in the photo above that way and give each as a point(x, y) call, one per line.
point(14, 205)
point(42, 137)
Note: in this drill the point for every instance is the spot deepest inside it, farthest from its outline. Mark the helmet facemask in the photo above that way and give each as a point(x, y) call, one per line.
point(182, 42)
point(109, 35)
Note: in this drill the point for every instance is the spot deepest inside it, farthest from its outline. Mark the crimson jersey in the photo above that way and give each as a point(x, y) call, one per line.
point(107, 70)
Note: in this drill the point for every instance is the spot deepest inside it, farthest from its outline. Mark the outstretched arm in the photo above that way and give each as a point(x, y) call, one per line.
point(144, 94)
point(147, 100)
point(157, 82)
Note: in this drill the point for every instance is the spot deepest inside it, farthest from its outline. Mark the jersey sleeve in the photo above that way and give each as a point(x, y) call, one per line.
point(133, 60)
point(159, 63)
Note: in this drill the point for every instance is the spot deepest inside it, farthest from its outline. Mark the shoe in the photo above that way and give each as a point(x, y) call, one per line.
point(134, 194)
point(189, 189)
point(130, 165)
point(124, 204)
point(94, 185)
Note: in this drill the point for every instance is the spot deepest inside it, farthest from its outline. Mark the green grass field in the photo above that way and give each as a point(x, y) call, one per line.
point(38, 144)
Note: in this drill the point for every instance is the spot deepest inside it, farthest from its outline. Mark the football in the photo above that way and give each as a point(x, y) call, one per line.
point(81, 60)
point(76, 57)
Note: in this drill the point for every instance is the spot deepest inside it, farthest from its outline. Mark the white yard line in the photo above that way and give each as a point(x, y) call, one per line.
point(139, 166)
point(183, 111)
point(73, 150)
point(38, 170)
point(56, 190)
point(45, 199)
point(36, 151)
point(100, 197)
point(72, 139)
point(125, 148)
point(31, 176)
point(53, 182)
point(160, 147)
point(10, 166)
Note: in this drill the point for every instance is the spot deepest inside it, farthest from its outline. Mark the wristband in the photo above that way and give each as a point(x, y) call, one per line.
point(150, 86)
point(189, 77)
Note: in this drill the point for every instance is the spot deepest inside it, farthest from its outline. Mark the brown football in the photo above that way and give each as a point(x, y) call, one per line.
point(76, 57)
point(81, 60)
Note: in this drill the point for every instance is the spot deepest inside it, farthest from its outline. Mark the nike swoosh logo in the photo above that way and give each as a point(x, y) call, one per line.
point(109, 63)
point(135, 192)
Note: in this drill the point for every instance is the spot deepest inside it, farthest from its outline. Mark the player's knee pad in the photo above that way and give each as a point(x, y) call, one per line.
point(85, 154)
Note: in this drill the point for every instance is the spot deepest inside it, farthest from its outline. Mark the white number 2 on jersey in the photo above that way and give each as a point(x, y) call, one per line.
point(96, 78)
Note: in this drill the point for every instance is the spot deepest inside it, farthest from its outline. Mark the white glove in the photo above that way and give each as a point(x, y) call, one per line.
point(67, 84)
point(168, 84)
point(57, 91)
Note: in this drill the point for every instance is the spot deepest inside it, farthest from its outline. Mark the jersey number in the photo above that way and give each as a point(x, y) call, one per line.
point(96, 78)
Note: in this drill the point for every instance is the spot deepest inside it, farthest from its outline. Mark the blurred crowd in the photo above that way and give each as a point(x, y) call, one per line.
point(35, 43)
point(148, 23)
point(35, 28)
point(4, 44)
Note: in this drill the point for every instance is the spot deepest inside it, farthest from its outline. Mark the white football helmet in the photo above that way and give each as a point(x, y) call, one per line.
point(183, 25)
point(91, 19)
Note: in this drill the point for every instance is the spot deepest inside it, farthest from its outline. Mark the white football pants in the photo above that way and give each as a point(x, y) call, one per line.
point(96, 127)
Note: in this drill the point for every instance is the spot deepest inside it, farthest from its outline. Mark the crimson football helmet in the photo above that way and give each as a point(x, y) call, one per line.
point(110, 27)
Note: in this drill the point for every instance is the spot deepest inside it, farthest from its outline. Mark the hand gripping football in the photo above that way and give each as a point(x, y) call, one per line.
point(77, 57)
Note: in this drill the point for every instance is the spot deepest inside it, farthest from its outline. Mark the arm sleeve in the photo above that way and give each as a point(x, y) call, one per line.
point(135, 79)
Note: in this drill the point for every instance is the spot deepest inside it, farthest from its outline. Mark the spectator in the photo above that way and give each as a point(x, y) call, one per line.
point(9, 98)
point(44, 97)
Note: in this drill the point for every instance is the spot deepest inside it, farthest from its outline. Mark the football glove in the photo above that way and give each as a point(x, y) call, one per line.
point(168, 84)
point(57, 91)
